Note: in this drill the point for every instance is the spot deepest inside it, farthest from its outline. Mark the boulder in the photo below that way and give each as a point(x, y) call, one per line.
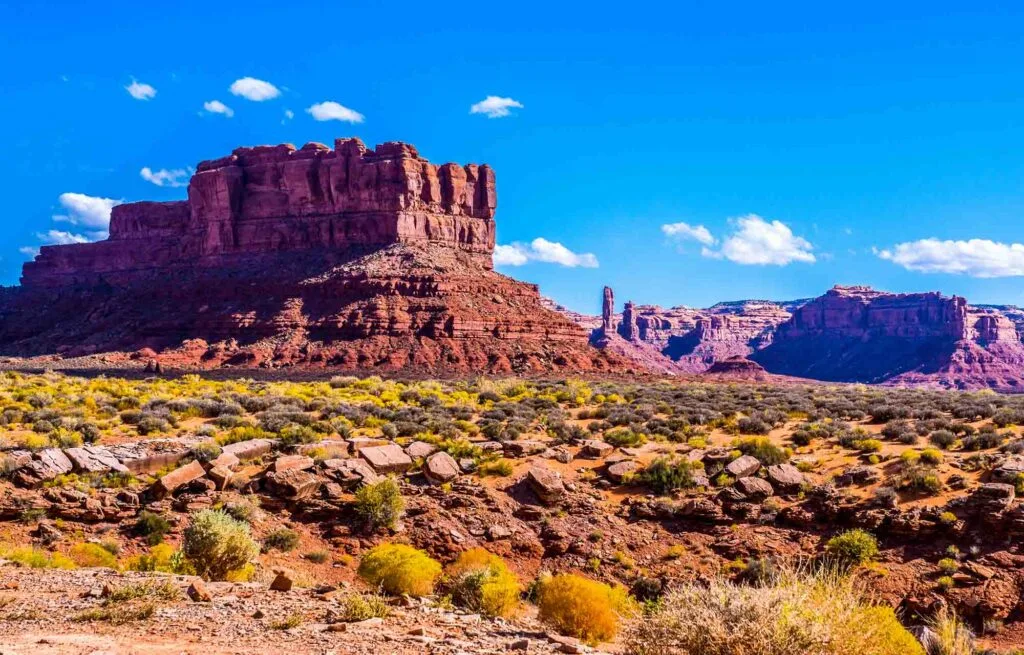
point(225, 460)
point(619, 470)
point(292, 484)
point(595, 449)
point(785, 477)
point(440, 468)
point(386, 459)
point(742, 466)
point(754, 488)
point(183, 475)
point(547, 484)
point(420, 450)
point(1009, 468)
point(220, 476)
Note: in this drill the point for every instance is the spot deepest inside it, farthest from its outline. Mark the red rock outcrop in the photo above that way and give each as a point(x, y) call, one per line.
point(857, 334)
point(318, 257)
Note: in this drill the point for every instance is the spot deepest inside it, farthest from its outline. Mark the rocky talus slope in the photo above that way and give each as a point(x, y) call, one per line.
point(338, 257)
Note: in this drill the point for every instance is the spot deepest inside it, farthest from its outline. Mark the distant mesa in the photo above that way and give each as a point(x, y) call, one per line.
point(850, 334)
point(316, 257)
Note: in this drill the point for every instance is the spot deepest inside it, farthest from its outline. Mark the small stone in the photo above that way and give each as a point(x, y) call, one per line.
point(520, 644)
point(283, 581)
point(198, 592)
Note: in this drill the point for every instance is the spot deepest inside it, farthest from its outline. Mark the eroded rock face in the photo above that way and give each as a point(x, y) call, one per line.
point(343, 257)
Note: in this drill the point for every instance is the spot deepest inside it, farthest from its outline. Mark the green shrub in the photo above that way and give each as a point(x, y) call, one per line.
point(281, 539)
point(400, 569)
point(152, 526)
point(852, 547)
point(666, 474)
point(624, 438)
point(216, 544)
point(380, 504)
point(762, 449)
point(360, 607)
point(499, 468)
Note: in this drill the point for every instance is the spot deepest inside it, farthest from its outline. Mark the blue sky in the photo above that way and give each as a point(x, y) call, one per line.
point(789, 146)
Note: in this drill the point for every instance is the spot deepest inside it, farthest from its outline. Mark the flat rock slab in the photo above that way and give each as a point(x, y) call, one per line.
point(547, 484)
point(440, 468)
point(523, 448)
point(301, 462)
point(387, 459)
point(1009, 468)
point(742, 466)
point(45, 465)
point(94, 459)
point(176, 478)
point(350, 472)
point(155, 454)
point(249, 449)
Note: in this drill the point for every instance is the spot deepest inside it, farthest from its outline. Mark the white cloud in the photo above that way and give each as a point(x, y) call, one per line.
point(542, 250)
point(140, 91)
point(760, 242)
point(687, 232)
point(30, 251)
point(163, 177)
point(288, 115)
point(218, 107)
point(61, 238)
point(974, 257)
point(509, 255)
point(256, 90)
point(495, 106)
point(89, 211)
point(332, 111)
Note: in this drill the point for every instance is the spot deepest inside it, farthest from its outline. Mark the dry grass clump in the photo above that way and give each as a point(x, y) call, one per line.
point(583, 608)
point(482, 582)
point(400, 569)
point(794, 613)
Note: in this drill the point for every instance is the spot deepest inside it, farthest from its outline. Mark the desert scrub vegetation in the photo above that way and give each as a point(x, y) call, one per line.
point(583, 608)
point(380, 504)
point(852, 548)
point(482, 582)
point(666, 474)
point(216, 544)
point(399, 569)
point(820, 612)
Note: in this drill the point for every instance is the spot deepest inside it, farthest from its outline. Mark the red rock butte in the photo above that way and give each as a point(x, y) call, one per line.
point(273, 199)
point(313, 257)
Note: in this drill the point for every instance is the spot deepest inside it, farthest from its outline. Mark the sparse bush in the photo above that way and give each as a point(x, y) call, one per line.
point(583, 608)
point(499, 468)
point(666, 474)
point(360, 607)
point(789, 614)
point(151, 526)
point(852, 547)
point(216, 544)
point(763, 450)
point(281, 539)
point(942, 438)
point(624, 438)
point(481, 582)
point(399, 569)
point(380, 504)
point(92, 555)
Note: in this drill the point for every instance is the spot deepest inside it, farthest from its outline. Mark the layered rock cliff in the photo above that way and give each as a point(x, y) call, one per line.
point(850, 334)
point(343, 257)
